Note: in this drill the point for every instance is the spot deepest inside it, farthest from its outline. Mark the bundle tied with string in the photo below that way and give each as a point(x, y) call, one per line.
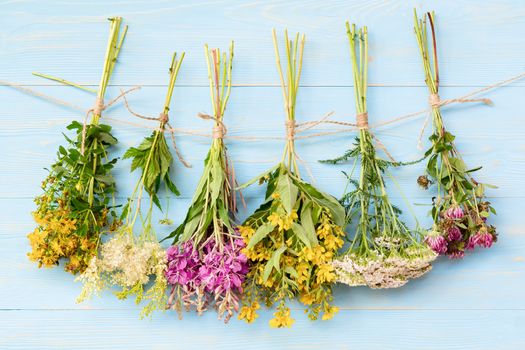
point(459, 207)
point(384, 252)
point(129, 261)
point(291, 238)
point(205, 266)
point(76, 204)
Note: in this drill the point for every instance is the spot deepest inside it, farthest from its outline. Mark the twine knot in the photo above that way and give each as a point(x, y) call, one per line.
point(99, 106)
point(290, 129)
point(362, 120)
point(218, 131)
point(434, 100)
point(164, 118)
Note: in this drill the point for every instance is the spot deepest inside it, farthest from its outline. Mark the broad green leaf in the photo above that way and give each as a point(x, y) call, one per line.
point(260, 234)
point(288, 191)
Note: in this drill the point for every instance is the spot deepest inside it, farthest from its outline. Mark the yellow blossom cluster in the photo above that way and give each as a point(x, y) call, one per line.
point(55, 238)
point(304, 270)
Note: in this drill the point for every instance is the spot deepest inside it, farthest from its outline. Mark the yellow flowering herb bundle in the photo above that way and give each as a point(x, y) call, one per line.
point(75, 205)
point(205, 265)
point(293, 236)
point(460, 209)
point(384, 252)
point(128, 261)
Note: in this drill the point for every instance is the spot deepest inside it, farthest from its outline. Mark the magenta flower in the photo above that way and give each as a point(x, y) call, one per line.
point(454, 233)
point(437, 243)
point(484, 239)
point(454, 212)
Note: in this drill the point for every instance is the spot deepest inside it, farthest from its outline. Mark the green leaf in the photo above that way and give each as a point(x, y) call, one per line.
point(260, 234)
point(308, 224)
point(288, 191)
point(274, 262)
point(300, 232)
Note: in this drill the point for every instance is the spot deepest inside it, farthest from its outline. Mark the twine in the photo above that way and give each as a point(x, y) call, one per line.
point(97, 109)
point(163, 119)
point(434, 102)
point(362, 120)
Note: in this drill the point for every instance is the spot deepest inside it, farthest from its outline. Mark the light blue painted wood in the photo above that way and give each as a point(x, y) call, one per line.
point(472, 304)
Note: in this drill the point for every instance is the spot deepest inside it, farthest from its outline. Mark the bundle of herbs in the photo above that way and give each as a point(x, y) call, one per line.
point(205, 263)
point(384, 252)
point(293, 236)
point(76, 204)
point(129, 261)
point(460, 209)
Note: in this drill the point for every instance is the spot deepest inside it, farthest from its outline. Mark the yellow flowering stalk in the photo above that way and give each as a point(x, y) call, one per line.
point(127, 261)
point(75, 205)
point(293, 236)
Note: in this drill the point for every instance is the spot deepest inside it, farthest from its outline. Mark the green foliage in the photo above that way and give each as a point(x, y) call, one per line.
point(154, 158)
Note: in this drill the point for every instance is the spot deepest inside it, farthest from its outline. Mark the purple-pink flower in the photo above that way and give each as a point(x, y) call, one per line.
point(454, 212)
point(213, 274)
point(438, 243)
point(454, 233)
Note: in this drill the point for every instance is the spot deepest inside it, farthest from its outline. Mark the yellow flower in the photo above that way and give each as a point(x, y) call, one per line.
point(249, 313)
point(281, 319)
point(325, 273)
point(330, 312)
point(307, 298)
point(276, 195)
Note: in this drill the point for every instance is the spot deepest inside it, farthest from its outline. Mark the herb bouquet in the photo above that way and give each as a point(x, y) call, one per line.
point(292, 237)
point(128, 261)
point(460, 210)
point(75, 205)
point(384, 253)
point(205, 263)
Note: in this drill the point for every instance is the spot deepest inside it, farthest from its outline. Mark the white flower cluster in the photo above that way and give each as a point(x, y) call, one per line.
point(380, 271)
point(125, 261)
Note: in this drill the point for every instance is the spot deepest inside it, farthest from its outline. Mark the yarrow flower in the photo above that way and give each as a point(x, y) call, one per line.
point(384, 253)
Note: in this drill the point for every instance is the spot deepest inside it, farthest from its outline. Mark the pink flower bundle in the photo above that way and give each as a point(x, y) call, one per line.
point(209, 276)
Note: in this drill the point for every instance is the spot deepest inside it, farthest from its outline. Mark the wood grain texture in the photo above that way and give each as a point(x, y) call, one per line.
point(476, 303)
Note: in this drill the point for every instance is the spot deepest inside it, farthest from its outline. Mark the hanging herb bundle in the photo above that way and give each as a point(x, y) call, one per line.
point(292, 237)
point(75, 205)
point(460, 209)
point(205, 263)
point(384, 252)
point(129, 261)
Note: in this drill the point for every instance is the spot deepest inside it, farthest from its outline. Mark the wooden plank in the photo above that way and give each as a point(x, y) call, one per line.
point(116, 329)
point(478, 44)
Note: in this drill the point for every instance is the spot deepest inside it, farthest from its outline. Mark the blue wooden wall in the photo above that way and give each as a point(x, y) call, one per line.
point(476, 303)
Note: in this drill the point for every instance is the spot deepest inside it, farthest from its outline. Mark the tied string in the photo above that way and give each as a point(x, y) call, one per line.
point(164, 120)
point(362, 124)
point(436, 102)
point(219, 129)
point(97, 110)
point(219, 132)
